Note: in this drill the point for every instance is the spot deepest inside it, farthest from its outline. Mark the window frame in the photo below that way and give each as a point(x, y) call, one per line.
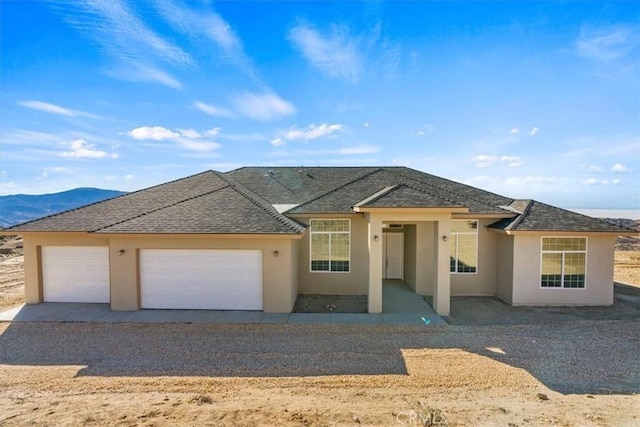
point(311, 233)
point(454, 236)
point(563, 252)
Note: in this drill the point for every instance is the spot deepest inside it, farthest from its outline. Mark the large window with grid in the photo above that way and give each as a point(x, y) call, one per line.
point(563, 262)
point(464, 246)
point(330, 244)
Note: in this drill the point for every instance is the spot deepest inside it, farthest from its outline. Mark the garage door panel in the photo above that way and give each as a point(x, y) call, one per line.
point(75, 274)
point(201, 279)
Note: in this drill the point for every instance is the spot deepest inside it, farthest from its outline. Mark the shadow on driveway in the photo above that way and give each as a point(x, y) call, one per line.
point(597, 357)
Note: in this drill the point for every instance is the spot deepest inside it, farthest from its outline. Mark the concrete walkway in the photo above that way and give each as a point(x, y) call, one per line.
point(401, 306)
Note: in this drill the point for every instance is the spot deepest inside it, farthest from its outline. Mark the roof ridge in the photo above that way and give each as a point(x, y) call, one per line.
point(161, 208)
point(522, 216)
point(377, 195)
point(442, 188)
point(333, 190)
point(262, 204)
point(422, 190)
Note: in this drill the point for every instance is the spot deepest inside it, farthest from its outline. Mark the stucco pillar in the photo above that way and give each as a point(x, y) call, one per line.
point(123, 275)
point(442, 288)
point(32, 271)
point(425, 255)
point(375, 263)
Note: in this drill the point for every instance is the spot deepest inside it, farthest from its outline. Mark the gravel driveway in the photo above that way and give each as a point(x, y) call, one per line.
point(583, 357)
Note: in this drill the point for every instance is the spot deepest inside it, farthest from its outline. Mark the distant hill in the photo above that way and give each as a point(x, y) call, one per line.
point(19, 208)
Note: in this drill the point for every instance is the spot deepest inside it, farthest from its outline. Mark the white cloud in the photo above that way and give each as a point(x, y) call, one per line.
point(483, 160)
point(81, 149)
point(365, 124)
point(277, 142)
point(338, 53)
point(424, 130)
point(514, 131)
point(364, 149)
point(157, 133)
point(594, 168)
point(335, 54)
point(199, 146)
point(213, 131)
point(189, 133)
point(263, 107)
point(619, 168)
point(531, 179)
point(616, 181)
point(595, 181)
point(206, 25)
point(534, 130)
point(47, 107)
point(186, 138)
point(213, 110)
point(312, 132)
point(138, 51)
point(345, 151)
point(129, 177)
point(606, 44)
point(513, 161)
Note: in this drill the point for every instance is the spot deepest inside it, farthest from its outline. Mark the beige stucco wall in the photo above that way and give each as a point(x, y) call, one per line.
point(279, 278)
point(504, 267)
point(598, 288)
point(482, 283)
point(355, 282)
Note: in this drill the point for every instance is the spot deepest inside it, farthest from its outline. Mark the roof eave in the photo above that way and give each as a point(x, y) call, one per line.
point(572, 232)
point(442, 209)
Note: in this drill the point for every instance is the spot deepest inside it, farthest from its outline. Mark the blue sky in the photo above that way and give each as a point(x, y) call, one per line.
point(530, 100)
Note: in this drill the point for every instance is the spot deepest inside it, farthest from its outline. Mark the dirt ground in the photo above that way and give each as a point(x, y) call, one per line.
point(627, 267)
point(123, 374)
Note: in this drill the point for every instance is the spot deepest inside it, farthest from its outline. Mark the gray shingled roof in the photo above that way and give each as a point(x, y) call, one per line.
point(209, 202)
point(405, 196)
point(241, 202)
point(295, 185)
point(538, 216)
point(341, 199)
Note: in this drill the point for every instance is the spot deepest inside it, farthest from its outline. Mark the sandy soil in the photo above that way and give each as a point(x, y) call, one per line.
point(627, 267)
point(373, 376)
point(11, 282)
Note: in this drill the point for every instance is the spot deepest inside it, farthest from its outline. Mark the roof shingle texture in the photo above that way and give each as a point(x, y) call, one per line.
point(426, 193)
point(241, 202)
point(537, 216)
point(209, 202)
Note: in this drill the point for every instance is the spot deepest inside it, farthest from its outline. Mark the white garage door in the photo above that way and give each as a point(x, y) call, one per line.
point(201, 279)
point(75, 273)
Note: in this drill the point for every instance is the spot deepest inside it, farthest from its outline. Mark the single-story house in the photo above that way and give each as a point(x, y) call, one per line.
point(256, 237)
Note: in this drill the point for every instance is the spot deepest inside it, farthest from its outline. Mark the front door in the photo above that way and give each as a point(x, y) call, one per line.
point(393, 261)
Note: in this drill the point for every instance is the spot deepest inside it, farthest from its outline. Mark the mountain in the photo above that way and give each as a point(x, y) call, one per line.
point(18, 208)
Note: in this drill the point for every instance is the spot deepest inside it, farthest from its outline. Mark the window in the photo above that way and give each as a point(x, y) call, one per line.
point(464, 246)
point(330, 248)
point(563, 262)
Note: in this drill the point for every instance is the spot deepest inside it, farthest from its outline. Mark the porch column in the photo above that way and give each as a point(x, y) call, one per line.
point(375, 263)
point(442, 288)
